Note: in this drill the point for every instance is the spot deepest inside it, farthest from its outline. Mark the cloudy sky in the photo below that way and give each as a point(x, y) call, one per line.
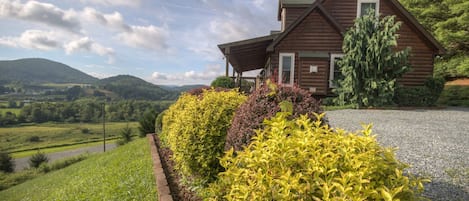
point(161, 41)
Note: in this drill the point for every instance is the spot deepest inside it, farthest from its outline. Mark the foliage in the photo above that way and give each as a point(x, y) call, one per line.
point(328, 164)
point(15, 178)
point(448, 20)
point(124, 173)
point(159, 122)
point(147, 123)
point(195, 128)
point(37, 159)
point(455, 96)
point(130, 87)
point(426, 95)
point(6, 162)
point(456, 66)
point(370, 65)
point(223, 82)
point(126, 135)
point(265, 103)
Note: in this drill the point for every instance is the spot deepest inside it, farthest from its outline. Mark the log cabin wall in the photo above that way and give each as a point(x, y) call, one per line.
point(422, 51)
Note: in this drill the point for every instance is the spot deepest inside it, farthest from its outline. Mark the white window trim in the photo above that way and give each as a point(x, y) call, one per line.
point(359, 6)
point(331, 68)
point(280, 68)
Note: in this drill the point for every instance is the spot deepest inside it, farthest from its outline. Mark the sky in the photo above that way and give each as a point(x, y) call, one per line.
point(166, 42)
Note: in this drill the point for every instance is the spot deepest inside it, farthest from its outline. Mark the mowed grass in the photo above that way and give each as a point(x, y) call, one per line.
point(124, 173)
point(21, 138)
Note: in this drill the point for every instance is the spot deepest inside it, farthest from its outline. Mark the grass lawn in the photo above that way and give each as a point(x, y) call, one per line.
point(124, 173)
point(48, 135)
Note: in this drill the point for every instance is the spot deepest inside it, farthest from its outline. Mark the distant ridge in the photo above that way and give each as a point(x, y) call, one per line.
point(131, 87)
point(40, 71)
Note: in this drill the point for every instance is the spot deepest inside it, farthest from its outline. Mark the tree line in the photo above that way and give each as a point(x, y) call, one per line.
point(82, 111)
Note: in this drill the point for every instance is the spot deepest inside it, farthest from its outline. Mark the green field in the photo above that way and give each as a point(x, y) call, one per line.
point(124, 173)
point(49, 135)
point(16, 111)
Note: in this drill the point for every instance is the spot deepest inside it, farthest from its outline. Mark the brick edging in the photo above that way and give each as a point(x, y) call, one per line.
point(164, 194)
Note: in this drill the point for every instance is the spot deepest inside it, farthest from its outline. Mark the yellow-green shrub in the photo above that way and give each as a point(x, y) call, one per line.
point(195, 127)
point(303, 160)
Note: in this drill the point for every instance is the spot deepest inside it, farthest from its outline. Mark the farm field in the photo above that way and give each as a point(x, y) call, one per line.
point(124, 173)
point(15, 111)
point(50, 135)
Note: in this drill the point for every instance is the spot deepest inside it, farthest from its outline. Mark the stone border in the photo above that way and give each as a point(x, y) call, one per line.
point(164, 194)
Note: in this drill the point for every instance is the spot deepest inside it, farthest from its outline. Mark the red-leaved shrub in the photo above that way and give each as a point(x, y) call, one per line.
point(265, 103)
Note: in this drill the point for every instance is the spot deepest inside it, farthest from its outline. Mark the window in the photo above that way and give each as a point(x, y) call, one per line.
point(335, 73)
point(365, 5)
point(286, 69)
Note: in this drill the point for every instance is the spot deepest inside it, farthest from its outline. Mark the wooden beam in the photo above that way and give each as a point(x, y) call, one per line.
point(227, 59)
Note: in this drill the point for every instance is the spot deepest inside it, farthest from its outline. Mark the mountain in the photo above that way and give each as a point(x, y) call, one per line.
point(181, 88)
point(40, 71)
point(130, 87)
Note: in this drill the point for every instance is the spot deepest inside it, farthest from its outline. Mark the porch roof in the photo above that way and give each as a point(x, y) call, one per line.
point(247, 54)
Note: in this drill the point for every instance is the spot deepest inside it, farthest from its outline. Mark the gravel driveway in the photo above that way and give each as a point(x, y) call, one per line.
point(22, 163)
point(434, 142)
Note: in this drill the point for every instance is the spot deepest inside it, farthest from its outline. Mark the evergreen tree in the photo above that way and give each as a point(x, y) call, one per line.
point(370, 65)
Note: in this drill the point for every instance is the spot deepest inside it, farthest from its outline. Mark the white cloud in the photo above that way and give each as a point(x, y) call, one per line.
point(87, 45)
point(131, 3)
point(33, 39)
point(209, 73)
point(114, 20)
point(146, 37)
point(100, 75)
point(159, 76)
point(44, 13)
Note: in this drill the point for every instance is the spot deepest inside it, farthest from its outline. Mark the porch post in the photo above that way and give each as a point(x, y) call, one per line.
point(227, 64)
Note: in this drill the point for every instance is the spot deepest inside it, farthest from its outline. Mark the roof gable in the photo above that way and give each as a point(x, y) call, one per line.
point(316, 5)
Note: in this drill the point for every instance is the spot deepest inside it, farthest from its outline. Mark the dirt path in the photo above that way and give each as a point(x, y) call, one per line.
point(21, 163)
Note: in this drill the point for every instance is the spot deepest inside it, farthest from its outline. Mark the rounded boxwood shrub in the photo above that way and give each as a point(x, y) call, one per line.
point(302, 159)
point(223, 82)
point(263, 104)
point(195, 127)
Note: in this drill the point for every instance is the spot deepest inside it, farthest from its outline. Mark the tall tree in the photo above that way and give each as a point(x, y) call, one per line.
point(370, 65)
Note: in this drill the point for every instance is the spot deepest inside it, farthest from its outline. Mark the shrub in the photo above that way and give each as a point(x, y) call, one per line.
point(302, 159)
point(126, 134)
point(147, 123)
point(455, 96)
point(426, 95)
point(159, 122)
point(37, 159)
point(6, 162)
point(85, 130)
point(223, 82)
point(195, 128)
point(265, 103)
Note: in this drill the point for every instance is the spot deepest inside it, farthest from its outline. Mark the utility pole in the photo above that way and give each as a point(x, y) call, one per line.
point(104, 125)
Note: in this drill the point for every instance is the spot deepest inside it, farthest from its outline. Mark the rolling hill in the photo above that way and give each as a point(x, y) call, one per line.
point(40, 71)
point(130, 87)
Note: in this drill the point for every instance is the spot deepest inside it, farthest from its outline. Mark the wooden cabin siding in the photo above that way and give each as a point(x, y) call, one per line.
point(315, 34)
point(292, 13)
point(422, 52)
point(319, 79)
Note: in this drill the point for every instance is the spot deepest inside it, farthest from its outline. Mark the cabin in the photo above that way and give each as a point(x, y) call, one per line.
point(304, 51)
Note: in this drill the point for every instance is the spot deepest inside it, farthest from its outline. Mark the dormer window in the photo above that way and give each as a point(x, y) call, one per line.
point(364, 6)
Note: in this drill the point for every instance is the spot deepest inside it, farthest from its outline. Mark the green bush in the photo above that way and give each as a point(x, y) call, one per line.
point(455, 96)
point(265, 103)
point(223, 82)
point(37, 159)
point(426, 95)
point(302, 159)
point(195, 128)
point(6, 162)
point(147, 123)
point(126, 135)
point(159, 122)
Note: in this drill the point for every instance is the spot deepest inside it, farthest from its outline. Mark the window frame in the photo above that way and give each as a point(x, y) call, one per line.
point(359, 6)
point(332, 68)
point(280, 68)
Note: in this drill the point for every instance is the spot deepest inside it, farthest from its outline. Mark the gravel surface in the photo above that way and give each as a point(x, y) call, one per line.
point(434, 142)
point(21, 163)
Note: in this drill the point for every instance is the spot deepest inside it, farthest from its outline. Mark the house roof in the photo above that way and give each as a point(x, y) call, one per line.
point(248, 54)
point(292, 3)
point(316, 5)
